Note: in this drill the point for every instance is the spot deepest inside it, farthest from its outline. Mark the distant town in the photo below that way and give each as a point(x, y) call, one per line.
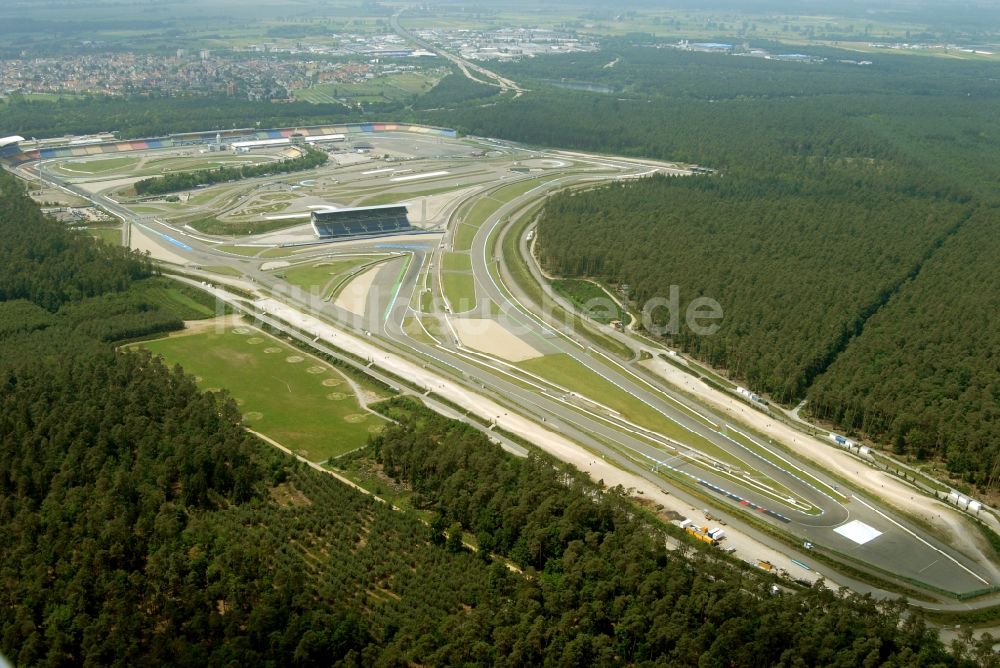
point(258, 72)
point(254, 78)
point(270, 70)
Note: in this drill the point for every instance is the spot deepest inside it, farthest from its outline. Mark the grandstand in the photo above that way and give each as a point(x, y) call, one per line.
point(366, 221)
point(9, 147)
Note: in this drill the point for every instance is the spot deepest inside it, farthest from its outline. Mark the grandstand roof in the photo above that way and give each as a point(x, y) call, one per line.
point(260, 143)
point(346, 209)
point(13, 139)
point(322, 138)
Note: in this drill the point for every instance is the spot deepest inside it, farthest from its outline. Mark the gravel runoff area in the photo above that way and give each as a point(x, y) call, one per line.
point(354, 296)
point(141, 240)
point(489, 336)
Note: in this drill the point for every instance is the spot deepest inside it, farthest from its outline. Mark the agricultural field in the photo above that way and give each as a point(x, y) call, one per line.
point(708, 24)
point(284, 393)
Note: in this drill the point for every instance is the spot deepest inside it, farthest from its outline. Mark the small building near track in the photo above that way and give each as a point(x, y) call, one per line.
point(364, 221)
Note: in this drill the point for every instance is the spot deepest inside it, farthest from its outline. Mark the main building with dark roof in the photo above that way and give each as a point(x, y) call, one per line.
point(365, 221)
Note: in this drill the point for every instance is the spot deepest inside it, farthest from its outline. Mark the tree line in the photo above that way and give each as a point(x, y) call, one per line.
point(155, 116)
point(178, 181)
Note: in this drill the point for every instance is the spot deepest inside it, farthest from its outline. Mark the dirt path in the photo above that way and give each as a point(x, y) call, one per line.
point(217, 324)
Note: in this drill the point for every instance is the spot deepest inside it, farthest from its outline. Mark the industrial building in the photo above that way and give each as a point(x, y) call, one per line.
point(246, 146)
point(366, 221)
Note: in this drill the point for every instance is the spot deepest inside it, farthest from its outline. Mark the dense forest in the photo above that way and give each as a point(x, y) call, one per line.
point(177, 181)
point(454, 89)
point(143, 526)
point(923, 375)
point(835, 185)
point(44, 263)
point(795, 275)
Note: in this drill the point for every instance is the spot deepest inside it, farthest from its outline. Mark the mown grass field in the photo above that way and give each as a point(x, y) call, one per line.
point(98, 166)
point(570, 374)
point(315, 277)
point(393, 195)
point(473, 217)
point(132, 165)
point(565, 371)
point(299, 401)
point(413, 329)
point(464, 234)
point(223, 270)
point(212, 225)
point(522, 276)
point(456, 262)
point(460, 289)
point(249, 251)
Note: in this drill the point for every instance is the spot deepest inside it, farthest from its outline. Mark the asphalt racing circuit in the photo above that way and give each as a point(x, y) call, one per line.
point(445, 312)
